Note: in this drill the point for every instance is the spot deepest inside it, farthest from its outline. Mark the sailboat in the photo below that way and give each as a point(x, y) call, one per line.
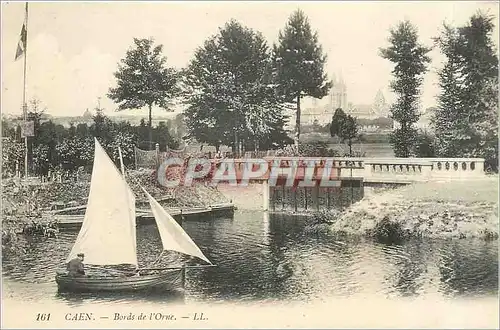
point(107, 238)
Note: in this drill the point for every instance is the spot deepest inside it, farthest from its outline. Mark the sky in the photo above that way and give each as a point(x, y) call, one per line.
point(74, 47)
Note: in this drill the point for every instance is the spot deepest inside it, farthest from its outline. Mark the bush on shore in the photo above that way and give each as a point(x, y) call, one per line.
point(320, 222)
point(465, 209)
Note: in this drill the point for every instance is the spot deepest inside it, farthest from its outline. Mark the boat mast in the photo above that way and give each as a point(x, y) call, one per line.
point(122, 168)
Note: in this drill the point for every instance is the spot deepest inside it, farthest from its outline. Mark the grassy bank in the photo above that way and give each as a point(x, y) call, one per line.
point(461, 209)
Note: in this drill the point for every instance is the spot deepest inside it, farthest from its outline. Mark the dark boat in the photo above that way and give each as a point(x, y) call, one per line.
point(168, 280)
point(107, 238)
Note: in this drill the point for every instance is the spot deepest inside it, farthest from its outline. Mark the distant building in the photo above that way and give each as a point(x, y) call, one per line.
point(378, 109)
point(87, 114)
point(338, 94)
point(322, 115)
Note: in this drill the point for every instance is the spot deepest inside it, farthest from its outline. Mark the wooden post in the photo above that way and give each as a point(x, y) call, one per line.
point(283, 197)
point(305, 196)
point(316, 196)
point(183, 277)
point(295, 199)
point(328, 198)
point(157, 150)
point(273, 199)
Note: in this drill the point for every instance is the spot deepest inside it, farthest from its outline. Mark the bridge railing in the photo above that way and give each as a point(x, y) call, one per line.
point(382, 169)
point(416, 169)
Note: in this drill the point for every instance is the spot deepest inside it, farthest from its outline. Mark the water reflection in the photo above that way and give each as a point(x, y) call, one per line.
point(271, 257)
point(468, 268)
point(409, 267)
point(81, 299)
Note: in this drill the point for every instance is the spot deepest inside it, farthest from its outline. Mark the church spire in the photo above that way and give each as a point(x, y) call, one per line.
point(341, 80)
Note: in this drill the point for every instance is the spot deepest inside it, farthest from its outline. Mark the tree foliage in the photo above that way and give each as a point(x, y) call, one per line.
point(229, 90)
point(425, 146)
point(12, 155)
point(143, 79)
point(55, 147)
point(410, 63)
point(451, 117)
point(299, 64)
point(345, 127)
point(466, 120)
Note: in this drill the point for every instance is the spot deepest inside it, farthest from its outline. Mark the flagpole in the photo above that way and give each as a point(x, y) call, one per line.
point(25, 106)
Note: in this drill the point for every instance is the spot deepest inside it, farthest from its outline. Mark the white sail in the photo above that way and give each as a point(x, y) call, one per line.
point(173, 237)
point(108, 233)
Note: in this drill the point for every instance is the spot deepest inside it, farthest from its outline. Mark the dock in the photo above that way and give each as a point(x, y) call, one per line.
point(144, 217)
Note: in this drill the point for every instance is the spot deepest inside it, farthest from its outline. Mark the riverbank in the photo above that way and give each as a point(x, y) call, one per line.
point(25, 204)
point(447, 209)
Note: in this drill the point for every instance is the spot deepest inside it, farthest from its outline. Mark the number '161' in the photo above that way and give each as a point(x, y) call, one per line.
point(42, 317)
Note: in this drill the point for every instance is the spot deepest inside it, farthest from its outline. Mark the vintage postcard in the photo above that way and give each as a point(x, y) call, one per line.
point(249, 164)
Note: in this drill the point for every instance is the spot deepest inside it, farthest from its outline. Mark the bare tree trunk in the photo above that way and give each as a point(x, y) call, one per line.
point(297, 123)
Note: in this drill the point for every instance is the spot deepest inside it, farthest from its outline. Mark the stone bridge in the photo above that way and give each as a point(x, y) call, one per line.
point(382, 170)
point(351, 175)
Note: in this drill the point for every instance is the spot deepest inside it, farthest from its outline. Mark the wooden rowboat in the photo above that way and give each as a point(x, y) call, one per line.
point(168, 280)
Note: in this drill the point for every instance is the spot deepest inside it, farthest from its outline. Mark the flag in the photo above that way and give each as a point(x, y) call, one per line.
point(23, 38)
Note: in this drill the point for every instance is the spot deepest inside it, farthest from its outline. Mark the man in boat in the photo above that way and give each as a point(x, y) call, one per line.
point(75, 266)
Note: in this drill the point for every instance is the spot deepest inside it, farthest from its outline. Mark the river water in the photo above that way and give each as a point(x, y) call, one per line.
point(267, 259)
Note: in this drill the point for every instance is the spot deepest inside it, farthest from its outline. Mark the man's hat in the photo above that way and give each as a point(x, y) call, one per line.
point(80, 255)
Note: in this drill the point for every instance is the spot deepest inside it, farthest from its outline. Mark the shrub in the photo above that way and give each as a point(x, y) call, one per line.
point(388, 232)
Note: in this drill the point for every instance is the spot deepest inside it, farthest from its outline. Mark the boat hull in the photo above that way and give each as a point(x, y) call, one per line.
point(72, 222)
point(168, 280)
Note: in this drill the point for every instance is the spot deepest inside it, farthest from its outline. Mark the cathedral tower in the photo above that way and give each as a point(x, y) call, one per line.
point(338, 94)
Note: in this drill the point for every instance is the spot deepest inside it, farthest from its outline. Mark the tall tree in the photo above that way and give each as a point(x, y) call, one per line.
point(480, 74)
point(410, 63)
point(300, 64)
point(229, 88)
point(144, 79)
point(450, 118)
point(466, 120)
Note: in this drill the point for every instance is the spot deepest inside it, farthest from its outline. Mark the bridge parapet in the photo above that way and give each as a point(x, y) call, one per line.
point(423, 169)
point(384, 169)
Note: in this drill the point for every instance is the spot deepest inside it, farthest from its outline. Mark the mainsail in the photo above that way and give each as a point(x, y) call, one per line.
point(108, 233)
point(173, 237)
